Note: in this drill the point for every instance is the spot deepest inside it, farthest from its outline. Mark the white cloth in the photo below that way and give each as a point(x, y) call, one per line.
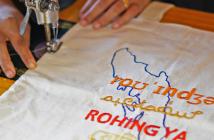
point(51, 102)
point(155, 11)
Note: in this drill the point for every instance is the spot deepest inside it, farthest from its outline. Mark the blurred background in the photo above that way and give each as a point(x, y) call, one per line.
point(203, 5)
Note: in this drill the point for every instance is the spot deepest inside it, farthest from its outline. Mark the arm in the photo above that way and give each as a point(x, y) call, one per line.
point(10, 20)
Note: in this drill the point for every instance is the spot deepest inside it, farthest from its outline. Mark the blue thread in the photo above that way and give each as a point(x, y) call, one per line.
point(121, 88)
point(137, 95)
point(140, 116)
point(124, 110)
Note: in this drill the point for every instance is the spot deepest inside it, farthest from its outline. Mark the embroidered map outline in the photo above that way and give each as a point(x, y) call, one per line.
point(140, 116)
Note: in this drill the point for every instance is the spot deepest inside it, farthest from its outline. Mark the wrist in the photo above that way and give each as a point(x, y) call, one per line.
point(7, 10)
point(7, 6)
point(8, 2)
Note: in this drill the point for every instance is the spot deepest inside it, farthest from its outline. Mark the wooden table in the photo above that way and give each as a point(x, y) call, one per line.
point(196, 19)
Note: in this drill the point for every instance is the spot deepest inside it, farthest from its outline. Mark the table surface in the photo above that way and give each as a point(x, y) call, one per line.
point(193, 18)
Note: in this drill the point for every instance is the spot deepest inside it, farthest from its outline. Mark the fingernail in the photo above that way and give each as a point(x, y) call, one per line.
point(32, 65)
point(116, 25)
point(83, 22)
point(10, 74)
point(97, 25)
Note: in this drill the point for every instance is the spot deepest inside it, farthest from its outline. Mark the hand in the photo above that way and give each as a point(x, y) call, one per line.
point(102, 12)
point(10, 20)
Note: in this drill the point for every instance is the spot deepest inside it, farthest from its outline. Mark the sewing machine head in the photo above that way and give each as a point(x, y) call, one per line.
point(47, 14)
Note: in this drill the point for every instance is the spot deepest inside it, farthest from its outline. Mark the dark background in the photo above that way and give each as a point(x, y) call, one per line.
point(204, 5)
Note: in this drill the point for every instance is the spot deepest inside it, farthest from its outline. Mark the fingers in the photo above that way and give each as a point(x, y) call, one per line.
point(110, 15)
point(95, 11)
point(27, 36)
point(103, 12)
point(5, 61)
point(21, 45)
point(86, 7)
point(131, 12)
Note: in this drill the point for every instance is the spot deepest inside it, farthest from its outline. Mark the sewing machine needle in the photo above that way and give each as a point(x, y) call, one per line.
point(24, 23)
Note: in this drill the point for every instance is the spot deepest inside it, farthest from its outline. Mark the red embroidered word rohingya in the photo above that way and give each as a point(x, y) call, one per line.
point(124, 122)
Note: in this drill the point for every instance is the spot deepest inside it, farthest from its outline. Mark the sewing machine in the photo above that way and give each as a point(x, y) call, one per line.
point(47, 14)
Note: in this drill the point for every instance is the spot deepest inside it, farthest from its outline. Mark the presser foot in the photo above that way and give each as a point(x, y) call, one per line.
point(53, 46)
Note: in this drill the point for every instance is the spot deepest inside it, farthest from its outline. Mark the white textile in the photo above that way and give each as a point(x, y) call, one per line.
point(53, 101)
